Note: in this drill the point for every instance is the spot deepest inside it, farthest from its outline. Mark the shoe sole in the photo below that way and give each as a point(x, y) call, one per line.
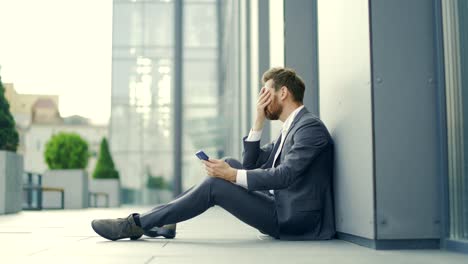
point(169, 234)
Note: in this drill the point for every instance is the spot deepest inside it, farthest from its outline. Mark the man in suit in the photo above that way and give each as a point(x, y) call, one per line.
point(283, 189)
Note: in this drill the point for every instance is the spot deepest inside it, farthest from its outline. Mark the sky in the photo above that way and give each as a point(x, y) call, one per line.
point(61, 47)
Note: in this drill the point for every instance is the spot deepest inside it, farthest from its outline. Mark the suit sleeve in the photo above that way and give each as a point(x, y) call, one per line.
point(253, 155)
point(309, 141)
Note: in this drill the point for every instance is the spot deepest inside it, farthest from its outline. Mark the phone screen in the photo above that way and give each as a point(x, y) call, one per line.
point(202, 155)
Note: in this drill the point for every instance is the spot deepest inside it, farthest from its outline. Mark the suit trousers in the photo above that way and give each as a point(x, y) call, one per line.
point(254, 208)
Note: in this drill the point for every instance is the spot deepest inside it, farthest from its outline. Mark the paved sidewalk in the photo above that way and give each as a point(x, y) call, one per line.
point(215, 237)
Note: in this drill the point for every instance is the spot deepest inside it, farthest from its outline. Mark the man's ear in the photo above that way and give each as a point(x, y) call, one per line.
point(284, 93)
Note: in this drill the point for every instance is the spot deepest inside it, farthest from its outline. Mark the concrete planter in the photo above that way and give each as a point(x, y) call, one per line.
point(109, 186)
point(74, 183)
point(11, 175)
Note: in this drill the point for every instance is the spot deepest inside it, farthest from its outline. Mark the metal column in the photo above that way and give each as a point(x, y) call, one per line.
point(177, 95)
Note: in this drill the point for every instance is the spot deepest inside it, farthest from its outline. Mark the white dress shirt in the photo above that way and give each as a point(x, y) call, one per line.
point(241, 178)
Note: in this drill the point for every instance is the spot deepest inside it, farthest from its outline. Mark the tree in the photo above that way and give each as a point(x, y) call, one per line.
point(8, 134)
point(105, 168)
point(66, 151)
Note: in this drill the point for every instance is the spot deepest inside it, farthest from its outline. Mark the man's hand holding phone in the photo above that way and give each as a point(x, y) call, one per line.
point(217, 168)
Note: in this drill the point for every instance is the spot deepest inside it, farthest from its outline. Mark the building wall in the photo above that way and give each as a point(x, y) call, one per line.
point(277, 50)
point(21, 107)
point(405, 119)
point(300, 31)
point(378, 97)
point(21, 104)
point(346, 109)
point(263, 53)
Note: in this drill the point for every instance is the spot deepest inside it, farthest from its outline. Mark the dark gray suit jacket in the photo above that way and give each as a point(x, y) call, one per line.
point(302, 179)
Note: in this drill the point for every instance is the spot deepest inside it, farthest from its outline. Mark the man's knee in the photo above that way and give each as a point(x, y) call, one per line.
point(233, 162)
point(214, 182)
point(218, 186)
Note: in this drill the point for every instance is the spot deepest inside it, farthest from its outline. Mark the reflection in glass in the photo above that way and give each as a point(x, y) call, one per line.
point(200, 84)
point(141, 129)
point(141, 114)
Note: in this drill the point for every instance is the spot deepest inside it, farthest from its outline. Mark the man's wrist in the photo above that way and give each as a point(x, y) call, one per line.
point(258, 125)
point(233, 175)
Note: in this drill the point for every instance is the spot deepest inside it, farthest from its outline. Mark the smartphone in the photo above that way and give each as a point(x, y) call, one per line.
point(202, 155)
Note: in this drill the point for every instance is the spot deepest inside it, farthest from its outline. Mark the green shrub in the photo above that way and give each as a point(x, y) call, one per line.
point(66, 151)
point(8, 135)
point(156, 182)
point(105, 166)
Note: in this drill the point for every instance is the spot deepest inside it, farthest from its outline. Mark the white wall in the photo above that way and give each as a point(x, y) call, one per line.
point(345, 107)
point(255, 78)
point(276, 48)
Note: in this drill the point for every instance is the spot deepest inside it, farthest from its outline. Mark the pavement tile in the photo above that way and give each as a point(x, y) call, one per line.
point(65, 236)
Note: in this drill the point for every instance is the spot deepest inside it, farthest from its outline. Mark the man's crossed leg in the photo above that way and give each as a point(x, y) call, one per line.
point(254, 208)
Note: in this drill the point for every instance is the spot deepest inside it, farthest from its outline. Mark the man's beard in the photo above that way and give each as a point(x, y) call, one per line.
point(274, 110)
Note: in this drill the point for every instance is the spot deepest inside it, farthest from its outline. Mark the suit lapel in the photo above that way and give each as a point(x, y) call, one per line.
point(296, 119)
point(269, 162)
point(272, 155)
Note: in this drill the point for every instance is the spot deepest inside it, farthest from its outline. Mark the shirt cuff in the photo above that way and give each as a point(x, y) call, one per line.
point(254, 135)
point(241, 178)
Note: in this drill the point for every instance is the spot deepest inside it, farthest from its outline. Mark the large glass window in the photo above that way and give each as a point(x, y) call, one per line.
point(142, 108)
point(141, 127)
point(200, 85)
point(455, 22)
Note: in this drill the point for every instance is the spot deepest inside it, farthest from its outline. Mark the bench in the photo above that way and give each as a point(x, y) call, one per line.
point(95, 196)
point(36, 186)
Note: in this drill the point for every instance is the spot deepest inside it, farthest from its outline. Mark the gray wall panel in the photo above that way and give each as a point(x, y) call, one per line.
point(345, 107)
point(300, 44)
point(405, 120)
point(264, 52)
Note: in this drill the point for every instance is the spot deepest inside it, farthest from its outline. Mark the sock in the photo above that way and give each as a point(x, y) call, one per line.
point(136, 218)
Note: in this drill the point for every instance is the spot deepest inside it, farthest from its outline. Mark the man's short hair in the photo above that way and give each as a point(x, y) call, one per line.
point(286, 77)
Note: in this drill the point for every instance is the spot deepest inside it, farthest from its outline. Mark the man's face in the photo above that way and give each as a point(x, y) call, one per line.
point(275, 108)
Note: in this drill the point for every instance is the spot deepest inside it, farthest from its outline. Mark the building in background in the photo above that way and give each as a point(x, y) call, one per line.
point(143, 138)
point(21, 106)
point(38, 118)
point(45, 111)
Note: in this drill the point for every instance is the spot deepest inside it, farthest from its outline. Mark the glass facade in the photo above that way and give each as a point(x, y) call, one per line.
point(201, 122)
point(455, 19)
point(142, 63)
point(141, 127)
